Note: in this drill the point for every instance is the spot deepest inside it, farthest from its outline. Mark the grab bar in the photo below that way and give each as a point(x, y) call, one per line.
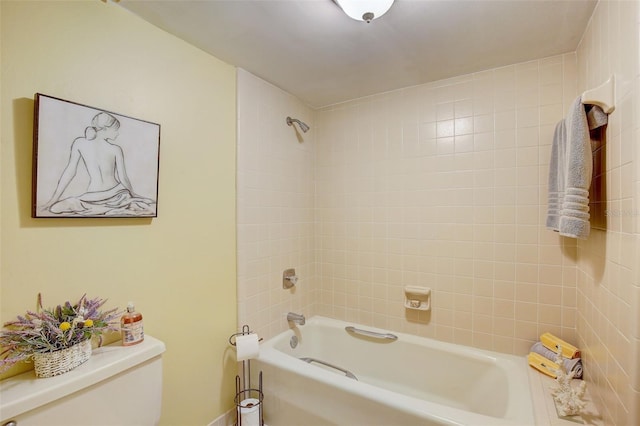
point(347, 373)
point(385, 336)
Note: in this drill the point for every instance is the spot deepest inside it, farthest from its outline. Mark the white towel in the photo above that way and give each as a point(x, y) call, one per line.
point(578, 167)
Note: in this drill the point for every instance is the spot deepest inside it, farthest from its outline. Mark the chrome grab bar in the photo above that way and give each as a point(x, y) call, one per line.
point(347, 373)
point(385, 336)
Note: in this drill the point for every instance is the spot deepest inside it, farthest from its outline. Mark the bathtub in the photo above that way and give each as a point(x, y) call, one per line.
point(336, 377)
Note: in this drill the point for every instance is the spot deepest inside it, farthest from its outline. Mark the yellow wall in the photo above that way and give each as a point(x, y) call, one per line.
point(179, 268)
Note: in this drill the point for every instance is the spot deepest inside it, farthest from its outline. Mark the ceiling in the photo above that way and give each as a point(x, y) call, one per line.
point(312, 50)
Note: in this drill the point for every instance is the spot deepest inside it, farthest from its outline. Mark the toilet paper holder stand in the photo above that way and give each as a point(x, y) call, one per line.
point(244, 391)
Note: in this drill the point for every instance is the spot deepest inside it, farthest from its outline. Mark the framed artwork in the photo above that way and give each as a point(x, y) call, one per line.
point(88, 162)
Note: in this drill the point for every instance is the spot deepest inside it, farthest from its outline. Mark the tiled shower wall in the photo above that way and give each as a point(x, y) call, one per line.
point(608, 269)
point(443, 185)
point(275, 206)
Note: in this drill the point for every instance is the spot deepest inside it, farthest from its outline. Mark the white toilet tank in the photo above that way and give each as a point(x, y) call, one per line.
point(117, 386)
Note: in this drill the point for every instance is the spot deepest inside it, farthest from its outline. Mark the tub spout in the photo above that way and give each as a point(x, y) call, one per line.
point(296, 318)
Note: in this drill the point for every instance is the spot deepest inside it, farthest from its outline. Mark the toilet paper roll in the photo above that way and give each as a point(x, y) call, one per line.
point(250, 412)
point(247, 346)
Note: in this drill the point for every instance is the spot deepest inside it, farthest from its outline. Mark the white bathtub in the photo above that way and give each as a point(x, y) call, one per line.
point(409, 381)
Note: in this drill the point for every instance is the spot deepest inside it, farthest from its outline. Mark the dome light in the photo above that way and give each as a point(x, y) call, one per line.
point(365, 10)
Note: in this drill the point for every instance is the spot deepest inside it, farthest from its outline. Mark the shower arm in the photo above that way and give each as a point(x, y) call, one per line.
point(303, 126)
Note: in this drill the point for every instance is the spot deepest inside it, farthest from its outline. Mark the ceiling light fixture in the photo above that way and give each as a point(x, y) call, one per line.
point(365, 10)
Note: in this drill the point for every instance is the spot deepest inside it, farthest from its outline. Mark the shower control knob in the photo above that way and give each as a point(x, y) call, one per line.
point(289, 278)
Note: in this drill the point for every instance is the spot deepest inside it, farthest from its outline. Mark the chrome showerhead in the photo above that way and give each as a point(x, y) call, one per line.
point(302, 125)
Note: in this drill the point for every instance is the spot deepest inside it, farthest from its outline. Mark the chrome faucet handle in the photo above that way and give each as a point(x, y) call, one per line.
point(289, 278)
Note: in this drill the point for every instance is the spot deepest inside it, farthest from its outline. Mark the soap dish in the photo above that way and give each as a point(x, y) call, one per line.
point(418, 298)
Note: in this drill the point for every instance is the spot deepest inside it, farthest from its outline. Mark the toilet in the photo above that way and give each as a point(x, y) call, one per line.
point(119, 386)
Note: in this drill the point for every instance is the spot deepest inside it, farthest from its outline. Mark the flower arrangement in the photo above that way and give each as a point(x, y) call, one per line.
point(51, 330)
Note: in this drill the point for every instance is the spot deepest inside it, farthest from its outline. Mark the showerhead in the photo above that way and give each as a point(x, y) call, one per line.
point(302, 125)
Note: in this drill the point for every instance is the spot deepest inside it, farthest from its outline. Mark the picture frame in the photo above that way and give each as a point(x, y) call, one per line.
point(90, 162)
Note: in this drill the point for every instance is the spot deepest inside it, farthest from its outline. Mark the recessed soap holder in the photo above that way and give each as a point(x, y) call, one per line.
point(417, 298)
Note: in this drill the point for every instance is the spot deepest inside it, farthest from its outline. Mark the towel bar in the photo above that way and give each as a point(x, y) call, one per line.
point(602, 96)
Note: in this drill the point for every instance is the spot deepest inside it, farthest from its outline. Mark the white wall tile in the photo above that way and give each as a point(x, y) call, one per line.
point(483, 135)
point(605, 276)
point(275, 210)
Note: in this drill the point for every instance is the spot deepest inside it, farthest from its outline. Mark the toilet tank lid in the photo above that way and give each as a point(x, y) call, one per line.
point(25, 392)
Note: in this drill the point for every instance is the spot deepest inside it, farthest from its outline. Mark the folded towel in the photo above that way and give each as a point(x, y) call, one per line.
point(574, 364)
point(556, 177)
point(552, 343)
point(578, 169)
point(542, 364)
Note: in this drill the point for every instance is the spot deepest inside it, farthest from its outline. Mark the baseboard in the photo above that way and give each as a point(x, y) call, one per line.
point(225, 419)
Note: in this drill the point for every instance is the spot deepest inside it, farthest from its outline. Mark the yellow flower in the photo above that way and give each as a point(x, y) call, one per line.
point(65, 326)
point(88, 323)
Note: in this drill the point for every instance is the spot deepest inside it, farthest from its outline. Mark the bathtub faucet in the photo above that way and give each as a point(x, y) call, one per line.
point(297, 318)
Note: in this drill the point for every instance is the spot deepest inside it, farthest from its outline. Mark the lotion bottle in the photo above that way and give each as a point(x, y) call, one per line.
point(131, 326)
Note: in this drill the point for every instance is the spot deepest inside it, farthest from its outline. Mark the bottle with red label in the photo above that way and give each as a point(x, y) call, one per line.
point(131, 326)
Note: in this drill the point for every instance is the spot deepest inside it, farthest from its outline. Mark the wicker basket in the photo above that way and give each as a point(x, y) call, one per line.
point(51, 364)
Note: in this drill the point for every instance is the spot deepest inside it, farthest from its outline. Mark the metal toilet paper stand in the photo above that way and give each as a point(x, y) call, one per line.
point(244, 391)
